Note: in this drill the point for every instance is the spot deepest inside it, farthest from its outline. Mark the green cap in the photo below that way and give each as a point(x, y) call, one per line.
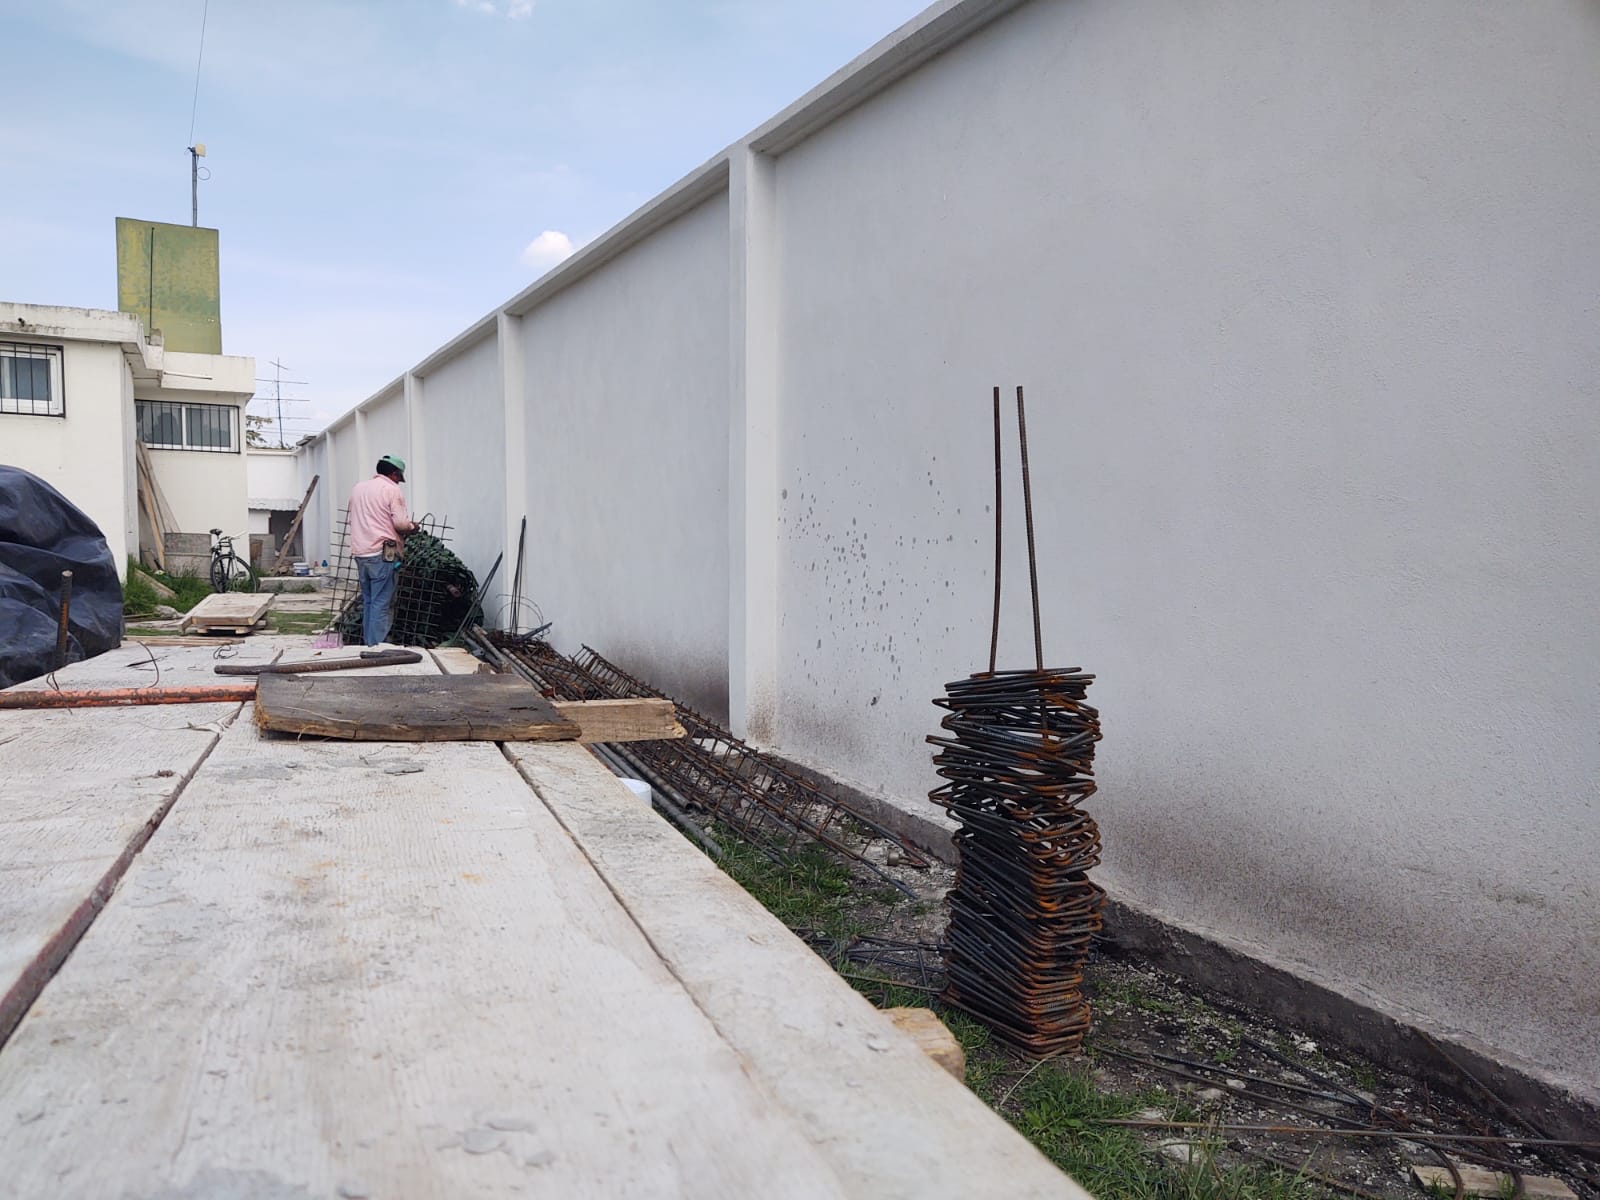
point(395, 461)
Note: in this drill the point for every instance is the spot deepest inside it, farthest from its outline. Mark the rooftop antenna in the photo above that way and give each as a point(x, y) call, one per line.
point(197, 150)
point(277, 382)
point(196, 153)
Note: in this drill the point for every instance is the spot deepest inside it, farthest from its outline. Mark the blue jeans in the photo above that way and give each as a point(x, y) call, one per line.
point(377, 596)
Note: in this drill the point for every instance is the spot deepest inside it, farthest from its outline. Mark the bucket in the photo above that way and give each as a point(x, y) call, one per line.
point(640, 790)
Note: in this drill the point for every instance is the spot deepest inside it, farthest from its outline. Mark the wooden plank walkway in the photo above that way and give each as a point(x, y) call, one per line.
point(82, 791)
point(423, 970)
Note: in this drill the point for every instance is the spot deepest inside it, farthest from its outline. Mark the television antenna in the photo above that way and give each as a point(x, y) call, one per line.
point(277, 381)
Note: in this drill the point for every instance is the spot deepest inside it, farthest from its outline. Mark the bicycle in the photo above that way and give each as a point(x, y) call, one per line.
point(227, 568)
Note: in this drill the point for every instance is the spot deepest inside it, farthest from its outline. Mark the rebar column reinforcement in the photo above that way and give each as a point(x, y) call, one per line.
point(1018, 761)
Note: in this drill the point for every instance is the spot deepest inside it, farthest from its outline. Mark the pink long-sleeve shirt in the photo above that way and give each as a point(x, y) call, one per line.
point(375, 505)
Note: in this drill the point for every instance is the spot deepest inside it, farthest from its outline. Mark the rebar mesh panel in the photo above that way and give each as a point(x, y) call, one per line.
point(715, 771)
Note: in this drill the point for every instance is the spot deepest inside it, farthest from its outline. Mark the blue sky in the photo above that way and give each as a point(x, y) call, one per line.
point(381, 172)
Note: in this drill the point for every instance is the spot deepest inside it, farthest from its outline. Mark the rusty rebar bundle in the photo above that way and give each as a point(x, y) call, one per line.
point(1018, 762)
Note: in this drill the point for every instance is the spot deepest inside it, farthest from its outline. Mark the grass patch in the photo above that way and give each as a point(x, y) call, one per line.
point(1128, 994)
point(140, 599)
point(810, 891)
point(297, 622)
point(1057, 1105)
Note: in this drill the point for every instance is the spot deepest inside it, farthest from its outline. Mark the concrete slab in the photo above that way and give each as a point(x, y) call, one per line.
point(356, 969)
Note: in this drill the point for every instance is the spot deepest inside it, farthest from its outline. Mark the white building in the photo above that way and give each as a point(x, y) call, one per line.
point(1304, 296)
point(275, 494)
point(79, 387)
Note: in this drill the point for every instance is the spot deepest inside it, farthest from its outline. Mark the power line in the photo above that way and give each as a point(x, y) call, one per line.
point(199, 58)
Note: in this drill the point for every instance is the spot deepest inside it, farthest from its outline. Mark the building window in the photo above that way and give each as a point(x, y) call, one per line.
point(30, 380)
point(165, 425)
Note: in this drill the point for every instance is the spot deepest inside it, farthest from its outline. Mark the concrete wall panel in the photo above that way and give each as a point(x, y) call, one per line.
point(627, 469)
point(460, 462)
point(1313, 417)
point(388, 431)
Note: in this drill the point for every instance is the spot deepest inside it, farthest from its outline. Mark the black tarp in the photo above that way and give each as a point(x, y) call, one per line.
point(41, 535)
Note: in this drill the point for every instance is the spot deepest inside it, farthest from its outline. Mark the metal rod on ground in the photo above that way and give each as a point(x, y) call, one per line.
point(476, 610)
point(999, 530)
point(1304, 1171)
point(61, 629)
point(667, 797)
point(516, 580)
point(672, 802)
point(1027, 509)
point(229, 693)
point(1409, 1135)
point(312, 666)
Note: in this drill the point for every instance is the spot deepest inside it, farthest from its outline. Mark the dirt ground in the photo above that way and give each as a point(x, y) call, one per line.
point(1216, 1064)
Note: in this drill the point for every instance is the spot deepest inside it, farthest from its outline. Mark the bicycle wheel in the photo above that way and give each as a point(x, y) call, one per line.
point(219, 573)
point(245, 578)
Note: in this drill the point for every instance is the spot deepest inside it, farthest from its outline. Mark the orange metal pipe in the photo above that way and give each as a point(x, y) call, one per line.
point(217, 693)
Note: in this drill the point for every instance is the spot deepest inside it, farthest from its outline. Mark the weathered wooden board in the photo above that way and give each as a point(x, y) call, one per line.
point(432, 708)
point(925, 1028)
point(634, 720)
point(79, 794)
point(637, 720)
point(453, 660)
point(228, 610)
point(901, 1127)
point(353, 970)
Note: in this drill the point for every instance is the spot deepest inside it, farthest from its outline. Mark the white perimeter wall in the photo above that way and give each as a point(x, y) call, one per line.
point(272, 475)
point(313, 462)
point(458, 468)
point(345, 470)
point(1305, 302)
point(626, 385)
point(388, 431)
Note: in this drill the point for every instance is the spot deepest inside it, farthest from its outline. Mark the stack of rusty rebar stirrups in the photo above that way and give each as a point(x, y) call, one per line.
point(1018, 763)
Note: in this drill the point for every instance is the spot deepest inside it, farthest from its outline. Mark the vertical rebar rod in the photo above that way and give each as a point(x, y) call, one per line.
point(61, 628)
point(994, 632)
point(1027, 509)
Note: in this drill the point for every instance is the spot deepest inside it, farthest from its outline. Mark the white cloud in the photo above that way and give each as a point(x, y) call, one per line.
point(516, 10)
point(546, 250)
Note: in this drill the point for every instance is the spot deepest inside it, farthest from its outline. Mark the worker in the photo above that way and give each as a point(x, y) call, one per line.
point(379, 522)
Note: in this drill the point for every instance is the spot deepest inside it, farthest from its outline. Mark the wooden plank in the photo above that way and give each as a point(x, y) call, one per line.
point(169, 522)
point(636, 720)
point(284, 556)
point(229, 610)
point(902, 1128)
point(433, 709)
point(925, 1028)
point(151, 509)
point(82, 792)
point(640, 720)
point(453, 660)
point(1479, 1182)
point(341, 970)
